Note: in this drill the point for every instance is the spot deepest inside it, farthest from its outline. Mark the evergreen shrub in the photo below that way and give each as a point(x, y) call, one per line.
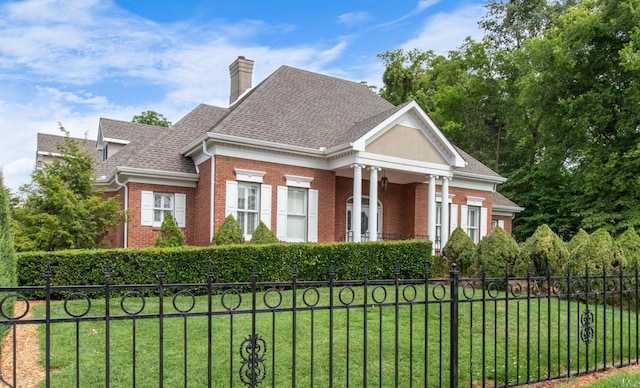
point(544, 248)
point(263, 235)
point(459, 249)
point(495, 251)
point(170, 235)
point(228, 233)
point(627, 248)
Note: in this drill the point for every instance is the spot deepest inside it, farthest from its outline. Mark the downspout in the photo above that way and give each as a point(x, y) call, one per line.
point(126, 210)
point(212, 191)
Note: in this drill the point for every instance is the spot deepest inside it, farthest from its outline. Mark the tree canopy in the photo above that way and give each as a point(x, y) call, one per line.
point(62, 208)
point(152, 118)
point(549, 99)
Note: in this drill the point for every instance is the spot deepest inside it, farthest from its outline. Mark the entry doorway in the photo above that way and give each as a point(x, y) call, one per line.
point(364, 219)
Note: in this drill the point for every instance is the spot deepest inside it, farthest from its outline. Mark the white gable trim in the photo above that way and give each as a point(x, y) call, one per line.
point(403, 116)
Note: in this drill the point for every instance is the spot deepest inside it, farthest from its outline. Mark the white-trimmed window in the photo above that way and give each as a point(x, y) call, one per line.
point(249, 200)
point(296, 214)
point(297, 219)
point(248, 207)
point(155, 206)
point(473, 223)
point(438, 224)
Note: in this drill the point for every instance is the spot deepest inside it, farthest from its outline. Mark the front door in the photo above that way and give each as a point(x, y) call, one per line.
point(364, 219)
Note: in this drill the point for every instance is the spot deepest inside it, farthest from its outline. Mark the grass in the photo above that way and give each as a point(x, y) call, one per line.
point(514, 351)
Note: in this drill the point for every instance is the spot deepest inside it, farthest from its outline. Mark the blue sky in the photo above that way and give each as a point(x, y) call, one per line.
point(72, 62)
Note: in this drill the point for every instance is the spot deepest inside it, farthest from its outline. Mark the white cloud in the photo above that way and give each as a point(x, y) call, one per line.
point(442, 31)
point(354, 18)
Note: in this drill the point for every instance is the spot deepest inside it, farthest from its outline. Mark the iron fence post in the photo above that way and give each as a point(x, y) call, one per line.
point(453, 338)
point(48, 274)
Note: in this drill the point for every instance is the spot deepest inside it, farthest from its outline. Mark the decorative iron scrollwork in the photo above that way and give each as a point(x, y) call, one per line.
point(253, 369)
point(586, 331)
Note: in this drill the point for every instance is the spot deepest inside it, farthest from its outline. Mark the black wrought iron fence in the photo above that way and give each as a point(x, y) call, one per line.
point(452, 331)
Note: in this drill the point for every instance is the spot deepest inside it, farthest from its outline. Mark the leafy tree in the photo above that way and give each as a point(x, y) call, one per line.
point(495, 251)
point(152, 118)
point(7, 248)
point(170, 235)
point(62, 208)
point(263, 235)
point(228, 233)
point(459, 249)
point(549, 99)
point(544, 248)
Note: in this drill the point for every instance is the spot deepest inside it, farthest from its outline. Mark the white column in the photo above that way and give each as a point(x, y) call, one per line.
point(356, 220)
point(444, 216)
point(373, 204)
point(431, 210)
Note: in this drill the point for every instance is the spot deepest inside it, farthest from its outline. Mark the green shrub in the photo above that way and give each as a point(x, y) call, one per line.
point(228, 233)
point(263, 235)
point(544, 248)
point(627, 248)
point(495, 251)
point(577, 240)
point(596, 254)
point(229, 263)
point(460, 249)
point(170, 235)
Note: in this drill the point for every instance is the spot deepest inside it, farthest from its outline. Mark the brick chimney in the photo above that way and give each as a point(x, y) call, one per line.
point(241, 71)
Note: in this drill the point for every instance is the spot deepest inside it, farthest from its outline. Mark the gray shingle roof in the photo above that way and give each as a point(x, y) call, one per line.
point(474, 166)
point(301, 108)
point(158, 148)
point(47, 143)
point(290, 107)
point(123, 130)
point(500, 200)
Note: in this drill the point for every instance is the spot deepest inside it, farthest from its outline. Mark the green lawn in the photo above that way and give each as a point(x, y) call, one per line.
point(524, 355)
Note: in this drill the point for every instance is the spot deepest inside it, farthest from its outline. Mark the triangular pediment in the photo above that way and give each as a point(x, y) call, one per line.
point(409, 134)
point(405, 142)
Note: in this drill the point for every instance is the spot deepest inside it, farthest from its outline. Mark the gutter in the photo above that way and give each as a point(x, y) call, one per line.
point(126, 210)
point(211, 188)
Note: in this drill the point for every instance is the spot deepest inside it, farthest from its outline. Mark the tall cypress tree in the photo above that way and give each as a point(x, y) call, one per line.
point(7, 249)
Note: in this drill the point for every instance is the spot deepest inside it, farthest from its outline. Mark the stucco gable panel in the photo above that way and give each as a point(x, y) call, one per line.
point(407, 143)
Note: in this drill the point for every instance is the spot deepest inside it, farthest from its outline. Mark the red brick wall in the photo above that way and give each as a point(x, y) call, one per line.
point(145, 236)
point(508, 222)
point(201, 233)
point(405, 207)
point(461, 199)
point(115, 239)
point(323, 181)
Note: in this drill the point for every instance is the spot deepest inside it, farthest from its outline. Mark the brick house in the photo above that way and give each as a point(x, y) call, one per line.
point(304, 153)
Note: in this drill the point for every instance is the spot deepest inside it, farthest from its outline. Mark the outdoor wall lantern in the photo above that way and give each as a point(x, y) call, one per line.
point(384, 183)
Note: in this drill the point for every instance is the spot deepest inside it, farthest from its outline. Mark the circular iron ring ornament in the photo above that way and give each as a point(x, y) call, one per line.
point(586, 331)
point(227, 293)
point(439, 292)
point(17, 297)
point(253, 369)
point(190, 301)
point(79, 296)
point(469, 291)
point(409, 297)
point(379, 297)
point(346, 299)
point(308, 297)
point(277, 301)
point(130, 296)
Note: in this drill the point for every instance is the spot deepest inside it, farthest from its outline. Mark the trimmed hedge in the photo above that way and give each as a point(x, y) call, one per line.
point(230, 263)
